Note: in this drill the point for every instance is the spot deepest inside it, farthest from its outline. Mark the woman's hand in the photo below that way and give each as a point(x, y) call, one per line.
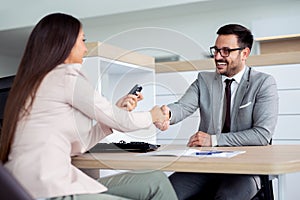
point(129, 101)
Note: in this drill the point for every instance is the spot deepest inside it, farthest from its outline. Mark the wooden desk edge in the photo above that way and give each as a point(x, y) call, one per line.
point(236, 165)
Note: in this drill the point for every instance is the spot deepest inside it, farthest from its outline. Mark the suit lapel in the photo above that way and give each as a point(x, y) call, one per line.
point(239, 96)
point(216, 97)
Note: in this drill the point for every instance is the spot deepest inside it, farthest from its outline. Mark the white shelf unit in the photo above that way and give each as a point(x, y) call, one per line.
point(113, 72)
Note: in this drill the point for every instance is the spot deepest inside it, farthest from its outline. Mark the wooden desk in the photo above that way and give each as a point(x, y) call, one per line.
point(271, 160)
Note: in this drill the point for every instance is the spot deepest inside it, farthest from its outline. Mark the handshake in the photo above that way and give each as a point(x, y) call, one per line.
point(161, 117)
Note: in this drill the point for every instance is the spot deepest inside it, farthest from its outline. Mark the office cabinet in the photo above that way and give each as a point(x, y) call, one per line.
point(288, 85)
point(113, 72)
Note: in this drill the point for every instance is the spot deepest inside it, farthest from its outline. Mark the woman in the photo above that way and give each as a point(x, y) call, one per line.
point(48, 119)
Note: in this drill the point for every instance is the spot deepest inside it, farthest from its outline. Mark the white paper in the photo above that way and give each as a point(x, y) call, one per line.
point(194, 153)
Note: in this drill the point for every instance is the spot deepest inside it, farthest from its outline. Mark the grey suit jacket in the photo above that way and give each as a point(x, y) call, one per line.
point(254, 112)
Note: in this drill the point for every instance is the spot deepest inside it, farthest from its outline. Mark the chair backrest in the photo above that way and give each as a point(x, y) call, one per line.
point(5, 85)
point(10, 187)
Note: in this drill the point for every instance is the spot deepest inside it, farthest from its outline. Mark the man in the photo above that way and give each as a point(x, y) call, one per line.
point(243, 113)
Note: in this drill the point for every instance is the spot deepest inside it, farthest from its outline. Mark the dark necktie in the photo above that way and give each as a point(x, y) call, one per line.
point(226, 127)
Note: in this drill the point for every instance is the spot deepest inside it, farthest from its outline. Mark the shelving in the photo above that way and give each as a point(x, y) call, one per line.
point(279, 44)
point(208, 64)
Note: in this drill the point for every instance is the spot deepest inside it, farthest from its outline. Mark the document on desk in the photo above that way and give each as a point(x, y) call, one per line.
point(194, 153)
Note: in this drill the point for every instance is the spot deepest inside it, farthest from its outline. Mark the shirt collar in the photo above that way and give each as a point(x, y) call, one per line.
point(237, 77)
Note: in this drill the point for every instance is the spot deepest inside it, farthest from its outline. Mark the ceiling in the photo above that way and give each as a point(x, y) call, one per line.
point(18, 17)
point(21, 16)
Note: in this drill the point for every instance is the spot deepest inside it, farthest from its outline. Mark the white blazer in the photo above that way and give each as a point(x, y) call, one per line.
point(60, 126)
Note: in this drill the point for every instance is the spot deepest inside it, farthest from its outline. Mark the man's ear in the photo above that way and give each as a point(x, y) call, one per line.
point(245, 53)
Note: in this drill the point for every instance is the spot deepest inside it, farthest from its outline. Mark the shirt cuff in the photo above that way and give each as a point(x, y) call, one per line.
point(214, 141)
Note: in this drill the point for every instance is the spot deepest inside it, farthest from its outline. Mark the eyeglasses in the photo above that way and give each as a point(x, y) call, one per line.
point(225, 51)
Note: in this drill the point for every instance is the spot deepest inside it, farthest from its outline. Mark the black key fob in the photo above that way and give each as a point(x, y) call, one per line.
point(135, 89)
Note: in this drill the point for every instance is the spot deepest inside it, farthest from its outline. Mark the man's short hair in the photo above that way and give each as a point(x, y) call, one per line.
point(244, 35)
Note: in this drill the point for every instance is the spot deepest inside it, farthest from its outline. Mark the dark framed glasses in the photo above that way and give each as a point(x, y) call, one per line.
point(225, 51)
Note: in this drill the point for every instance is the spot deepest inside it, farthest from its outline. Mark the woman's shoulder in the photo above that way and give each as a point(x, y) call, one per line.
point(74, 69)
point(70, 68)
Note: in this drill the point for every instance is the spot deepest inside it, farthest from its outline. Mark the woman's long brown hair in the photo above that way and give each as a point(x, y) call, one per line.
point(49, 44)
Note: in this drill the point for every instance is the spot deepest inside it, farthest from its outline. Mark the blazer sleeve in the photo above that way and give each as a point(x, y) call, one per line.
point(186, 105)
point(83, 97)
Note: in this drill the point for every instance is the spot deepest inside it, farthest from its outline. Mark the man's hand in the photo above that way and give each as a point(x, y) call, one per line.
point(129, 101)
point(200, 139)
point(164, 125)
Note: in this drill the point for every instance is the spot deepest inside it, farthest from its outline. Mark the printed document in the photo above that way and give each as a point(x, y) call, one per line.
point(194, 153)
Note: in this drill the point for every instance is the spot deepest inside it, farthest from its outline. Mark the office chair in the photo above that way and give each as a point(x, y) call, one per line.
point(266, 191)
point(10, 187)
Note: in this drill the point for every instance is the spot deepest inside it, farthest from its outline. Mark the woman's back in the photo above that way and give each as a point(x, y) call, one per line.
point(45, 140)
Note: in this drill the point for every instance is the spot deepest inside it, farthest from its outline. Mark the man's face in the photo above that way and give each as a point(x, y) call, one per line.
point(234, 63)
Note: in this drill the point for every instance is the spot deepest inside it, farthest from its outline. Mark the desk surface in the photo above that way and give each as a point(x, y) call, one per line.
point(274, 159)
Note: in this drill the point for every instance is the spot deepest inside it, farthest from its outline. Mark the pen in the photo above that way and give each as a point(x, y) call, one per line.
point(207, 153)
